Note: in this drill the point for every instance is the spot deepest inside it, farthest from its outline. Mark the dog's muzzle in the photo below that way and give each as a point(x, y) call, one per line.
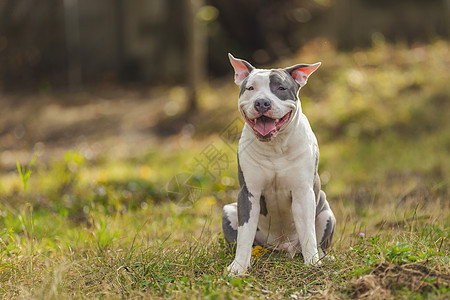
point(265, 128)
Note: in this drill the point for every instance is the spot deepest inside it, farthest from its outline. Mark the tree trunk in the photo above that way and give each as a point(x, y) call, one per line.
point(72, 29)
point(196, 52)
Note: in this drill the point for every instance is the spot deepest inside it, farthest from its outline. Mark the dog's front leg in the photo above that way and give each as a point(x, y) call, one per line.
point(248, 216)
point(304, 211)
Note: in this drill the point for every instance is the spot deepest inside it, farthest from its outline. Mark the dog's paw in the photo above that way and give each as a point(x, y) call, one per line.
point(312, 260)
point(317, 263)
point(326, 257)
point(237, 269)
point(330, 257)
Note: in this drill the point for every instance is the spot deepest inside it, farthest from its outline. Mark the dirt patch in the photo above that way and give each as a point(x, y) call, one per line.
point(388, 279)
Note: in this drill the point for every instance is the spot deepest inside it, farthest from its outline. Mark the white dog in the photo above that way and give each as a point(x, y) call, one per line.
point(280, 205)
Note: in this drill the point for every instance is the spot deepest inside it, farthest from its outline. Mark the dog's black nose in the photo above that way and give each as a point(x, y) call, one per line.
point(262, 105)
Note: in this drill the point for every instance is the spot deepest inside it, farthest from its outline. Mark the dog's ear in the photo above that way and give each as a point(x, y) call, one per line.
point(301, 72)
point(241, 69)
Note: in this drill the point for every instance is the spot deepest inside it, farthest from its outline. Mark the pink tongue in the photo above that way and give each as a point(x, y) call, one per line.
point(264, 125)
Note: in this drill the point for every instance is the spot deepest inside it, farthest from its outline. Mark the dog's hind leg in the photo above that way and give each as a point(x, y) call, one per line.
point(325, 224)
point(230, 222)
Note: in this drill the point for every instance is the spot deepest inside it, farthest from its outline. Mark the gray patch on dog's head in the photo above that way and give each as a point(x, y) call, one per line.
point(283, 85)
point(243, 86)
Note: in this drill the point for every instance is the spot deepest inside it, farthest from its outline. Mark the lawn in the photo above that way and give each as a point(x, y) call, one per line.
point(119, 197)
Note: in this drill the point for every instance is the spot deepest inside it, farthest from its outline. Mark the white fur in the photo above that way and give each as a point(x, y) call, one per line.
point(276, 175)
point(283, 170)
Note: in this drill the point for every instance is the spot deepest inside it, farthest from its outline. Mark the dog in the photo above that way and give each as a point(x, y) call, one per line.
point(280, 204)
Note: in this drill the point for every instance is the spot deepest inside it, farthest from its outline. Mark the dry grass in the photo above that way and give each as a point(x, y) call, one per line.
point(167, 251)
point(388, 279)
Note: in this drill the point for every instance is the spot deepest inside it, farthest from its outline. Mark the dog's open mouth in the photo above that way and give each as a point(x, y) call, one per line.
point(266, 127)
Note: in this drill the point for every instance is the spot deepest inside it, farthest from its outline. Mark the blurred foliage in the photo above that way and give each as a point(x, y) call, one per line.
point(48, 45)
point(382, 110)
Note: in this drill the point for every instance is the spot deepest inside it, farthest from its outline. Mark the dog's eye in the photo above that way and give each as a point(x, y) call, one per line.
point(281, 88)
point(250, 88)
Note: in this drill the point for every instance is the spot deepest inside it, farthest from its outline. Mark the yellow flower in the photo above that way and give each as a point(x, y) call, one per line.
point(258, 250)
point(145, 172)
point(102, 177)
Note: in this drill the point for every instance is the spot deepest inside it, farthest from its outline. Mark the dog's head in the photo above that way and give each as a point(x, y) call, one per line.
point(269, 98)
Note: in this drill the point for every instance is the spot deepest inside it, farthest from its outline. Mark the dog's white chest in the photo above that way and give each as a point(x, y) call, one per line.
point(276, 223)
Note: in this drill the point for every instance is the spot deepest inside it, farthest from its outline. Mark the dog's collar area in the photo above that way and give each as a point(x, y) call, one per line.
point(265, 128)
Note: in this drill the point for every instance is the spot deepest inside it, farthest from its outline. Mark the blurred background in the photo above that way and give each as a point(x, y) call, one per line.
point(119, 128)
point(53, 45)
point(120, 79)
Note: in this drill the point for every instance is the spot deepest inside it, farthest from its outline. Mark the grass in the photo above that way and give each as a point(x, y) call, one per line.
point(25, 173)
point(149, 224)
